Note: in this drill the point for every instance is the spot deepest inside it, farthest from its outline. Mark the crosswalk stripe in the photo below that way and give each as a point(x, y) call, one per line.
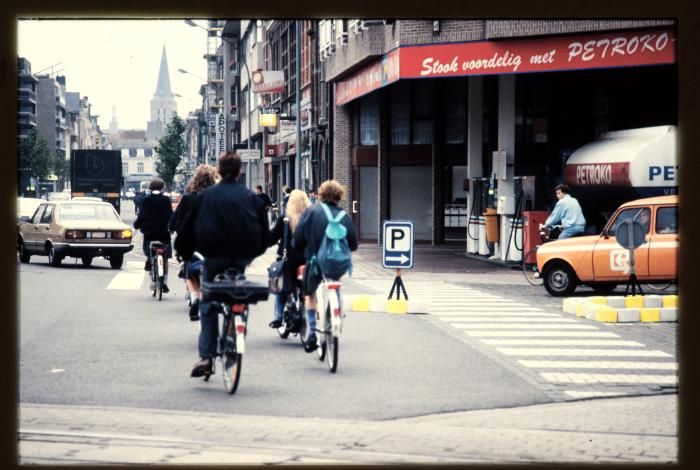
point(127, 281)
point(542, 334)
point(528, 326)
point(579, 378)
point(561, 342)
point(598, 365)
point(508, 319)
point(467, 304)
point(589, 394)
point(449, 315)
point(489, 308)
point(581, 352)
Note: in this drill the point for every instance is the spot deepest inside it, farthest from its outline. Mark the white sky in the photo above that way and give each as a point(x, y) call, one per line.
point(116, 62)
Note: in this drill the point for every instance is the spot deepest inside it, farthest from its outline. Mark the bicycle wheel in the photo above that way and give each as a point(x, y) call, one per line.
point(231, 360)
point(154, 278)
point(321, 340)
point(159, 277)
point(532, 274)
point(331, 343)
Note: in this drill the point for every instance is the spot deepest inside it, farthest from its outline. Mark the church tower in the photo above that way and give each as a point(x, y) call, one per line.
point(163, 104)
point(114, 125)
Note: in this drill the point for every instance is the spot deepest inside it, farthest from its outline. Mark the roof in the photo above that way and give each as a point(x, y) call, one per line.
point(163, 89)
point(652, 200)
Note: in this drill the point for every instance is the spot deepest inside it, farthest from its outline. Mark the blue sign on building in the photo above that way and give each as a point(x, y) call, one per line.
point(397, 245)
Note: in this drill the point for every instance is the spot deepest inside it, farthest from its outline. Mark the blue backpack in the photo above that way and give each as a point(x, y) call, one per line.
point(334, 257)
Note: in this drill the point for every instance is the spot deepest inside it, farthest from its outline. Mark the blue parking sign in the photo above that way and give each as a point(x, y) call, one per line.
point(397, 245)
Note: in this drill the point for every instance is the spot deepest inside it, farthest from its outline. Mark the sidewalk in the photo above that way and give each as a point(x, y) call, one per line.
point(638, 429)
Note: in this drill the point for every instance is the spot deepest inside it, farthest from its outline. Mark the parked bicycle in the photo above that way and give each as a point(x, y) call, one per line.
point(532, 273)
point(156, 254)
point(329, 330)
point(233, 293)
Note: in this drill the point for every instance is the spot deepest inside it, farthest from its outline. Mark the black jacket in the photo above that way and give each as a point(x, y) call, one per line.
point(295, 258)
point(312, 227)
point(267, 202)
point(185, 205)
point(154, 216)
point(229, 222)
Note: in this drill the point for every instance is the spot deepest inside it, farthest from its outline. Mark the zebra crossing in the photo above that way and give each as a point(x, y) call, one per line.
point(570, 355)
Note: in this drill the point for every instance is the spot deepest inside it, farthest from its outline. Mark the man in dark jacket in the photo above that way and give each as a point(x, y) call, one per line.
point(308, 236)
point(152, 220)
point(267, 202)
point(230, 229)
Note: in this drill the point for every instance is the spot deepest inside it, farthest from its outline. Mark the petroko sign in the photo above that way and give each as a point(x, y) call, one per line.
point(590, 51)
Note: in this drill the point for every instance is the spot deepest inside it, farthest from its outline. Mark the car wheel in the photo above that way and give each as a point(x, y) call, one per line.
point(23, 254)
point(560, 280)
point(116, 261)
point(54, 259)
point(87, 260)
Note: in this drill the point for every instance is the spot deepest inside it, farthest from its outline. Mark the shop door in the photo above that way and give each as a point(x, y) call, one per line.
point(610, 260)
point(368, 203)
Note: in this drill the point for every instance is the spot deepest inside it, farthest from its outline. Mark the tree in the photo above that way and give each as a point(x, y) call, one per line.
point(170, 149)
point(61, 166)
point(35, 158)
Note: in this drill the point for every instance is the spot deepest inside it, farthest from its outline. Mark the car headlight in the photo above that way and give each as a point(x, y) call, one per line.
point(127, 233)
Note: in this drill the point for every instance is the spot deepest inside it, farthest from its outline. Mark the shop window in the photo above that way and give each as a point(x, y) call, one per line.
point(421, 125)
point(455, 112)
point(369, 120)
point(400, 114)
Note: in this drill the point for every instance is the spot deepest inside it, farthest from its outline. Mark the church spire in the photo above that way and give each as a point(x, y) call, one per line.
point(163, 89)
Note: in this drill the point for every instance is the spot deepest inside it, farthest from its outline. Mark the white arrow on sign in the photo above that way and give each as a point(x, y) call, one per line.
point(402, 259)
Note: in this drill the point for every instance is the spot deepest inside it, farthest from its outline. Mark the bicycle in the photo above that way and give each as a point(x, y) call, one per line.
point(530, 270)
point(328, 298)
point(233, 293)
point(156, 255)
point(294, 316)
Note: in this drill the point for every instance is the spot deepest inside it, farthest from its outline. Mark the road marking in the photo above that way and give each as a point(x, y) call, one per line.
point(489, 308)
point(525, 326)
point(508, 319)
point(609, 378)
point(129, 279)
point(598, 365)
point(581, 352)
point(561, 342)
point(544, 334)
point(575, 394)
point(449, 315)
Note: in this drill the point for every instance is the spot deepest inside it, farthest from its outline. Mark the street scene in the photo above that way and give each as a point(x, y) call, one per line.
point(348, 241)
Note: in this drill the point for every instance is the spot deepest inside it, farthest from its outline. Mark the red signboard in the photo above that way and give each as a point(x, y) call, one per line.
point(603, 50)
point(597, 174)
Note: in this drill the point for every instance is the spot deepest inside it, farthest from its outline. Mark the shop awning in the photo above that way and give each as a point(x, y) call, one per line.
point(641, 158)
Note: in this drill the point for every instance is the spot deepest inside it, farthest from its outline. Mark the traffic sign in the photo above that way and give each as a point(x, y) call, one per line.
point(397, 245)
point(270, 110)
point(249, 154)
point(630, 234)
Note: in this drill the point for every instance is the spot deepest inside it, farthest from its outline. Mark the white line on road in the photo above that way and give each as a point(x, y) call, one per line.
point(575, 394)
point(598, 365)
point(561, 342)
point(525, 326)
point(449, 315)
point(580, 352)
point(508, 319)
point(542, 334)
point(578, 378)
point(130, 279)
point(486, 308)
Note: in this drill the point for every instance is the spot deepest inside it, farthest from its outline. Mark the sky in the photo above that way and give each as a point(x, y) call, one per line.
point(116, 62)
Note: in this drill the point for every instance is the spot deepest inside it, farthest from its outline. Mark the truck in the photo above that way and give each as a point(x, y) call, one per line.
point(97, 173)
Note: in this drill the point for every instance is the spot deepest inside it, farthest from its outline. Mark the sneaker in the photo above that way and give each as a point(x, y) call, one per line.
point(194, 311)
point(203, 368)
point(310, 345)
point(165, 289)
point(147, 267)
point(275, 323)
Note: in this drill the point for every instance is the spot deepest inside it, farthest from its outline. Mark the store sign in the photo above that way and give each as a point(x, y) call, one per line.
point(212, 131)
point(268, 81)
point(249, 154)
point(288, 131)
point(268, 120)
point(270, 110)
point(221, 132)
point(598, 174)
point(590, 51)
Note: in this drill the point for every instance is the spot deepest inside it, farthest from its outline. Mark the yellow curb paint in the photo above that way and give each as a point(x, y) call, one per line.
point(634, 301)
point(361, 303)
point(396, 306)
point(670, 301)
point(649, 315)
point(598, 300)
point(607, 315)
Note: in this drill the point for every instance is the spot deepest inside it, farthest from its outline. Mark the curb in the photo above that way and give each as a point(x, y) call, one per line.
point(380, 304)
point(627, 309)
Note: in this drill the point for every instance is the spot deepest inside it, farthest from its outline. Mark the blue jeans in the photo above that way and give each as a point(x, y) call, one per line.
point(571, 232)
point(209, 321)
point(280, 300)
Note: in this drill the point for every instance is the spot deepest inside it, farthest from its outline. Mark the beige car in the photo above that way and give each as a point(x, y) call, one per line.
point(81, 229)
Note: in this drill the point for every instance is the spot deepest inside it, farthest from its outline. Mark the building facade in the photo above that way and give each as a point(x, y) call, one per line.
point(26, 112)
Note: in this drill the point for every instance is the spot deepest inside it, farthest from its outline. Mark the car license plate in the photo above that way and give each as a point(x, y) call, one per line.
point(98, 235)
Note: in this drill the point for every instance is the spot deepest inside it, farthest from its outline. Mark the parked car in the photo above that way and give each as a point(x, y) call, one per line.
point(62, 196)
point(26, 206)
point(78, 228)
point(601, 263)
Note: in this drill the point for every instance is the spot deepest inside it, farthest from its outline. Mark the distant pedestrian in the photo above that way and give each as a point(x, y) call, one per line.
point(286, 190)
point(267, 202)
point(567, 212)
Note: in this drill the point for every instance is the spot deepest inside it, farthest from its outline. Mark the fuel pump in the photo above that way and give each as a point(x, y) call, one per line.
point(481, 198)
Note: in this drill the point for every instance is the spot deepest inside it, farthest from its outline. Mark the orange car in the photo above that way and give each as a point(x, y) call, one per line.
point(600, 262)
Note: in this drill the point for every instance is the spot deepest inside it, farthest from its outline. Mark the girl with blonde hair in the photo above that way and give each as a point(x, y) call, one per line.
point(295, 207)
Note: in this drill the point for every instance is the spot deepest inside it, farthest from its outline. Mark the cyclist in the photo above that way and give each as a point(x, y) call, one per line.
point(308, 236)
point(229, 227)
point(153, 218)
point(204, 176)
point(297, 204)
point(568, 212)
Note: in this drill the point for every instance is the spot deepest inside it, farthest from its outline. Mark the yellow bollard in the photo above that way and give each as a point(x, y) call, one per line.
point(649, 315)
point(598, 300)
point(397, 306)
point(670, 301)
point(606, 314)
point(634, 301)
point(360, 303)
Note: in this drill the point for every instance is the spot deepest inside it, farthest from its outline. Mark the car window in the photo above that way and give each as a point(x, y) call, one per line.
point(38, 214)
point(88, 212)
point(667, 220)
point(640, 214)
point(46, 218)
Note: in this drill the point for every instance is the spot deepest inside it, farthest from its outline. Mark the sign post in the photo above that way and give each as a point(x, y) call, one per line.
point(630, 234)
point(397, 252)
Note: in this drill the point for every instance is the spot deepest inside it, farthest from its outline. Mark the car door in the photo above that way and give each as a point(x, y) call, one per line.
point(610, 260)
point(664, 245)
point(43, 231)
point(29, 231)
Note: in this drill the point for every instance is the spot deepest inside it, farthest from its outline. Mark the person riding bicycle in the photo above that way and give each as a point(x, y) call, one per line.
point(228, 226)
point(567, 212)
point(308, 236)
point(204, 176)
point(153, 218)
point(297, 204)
